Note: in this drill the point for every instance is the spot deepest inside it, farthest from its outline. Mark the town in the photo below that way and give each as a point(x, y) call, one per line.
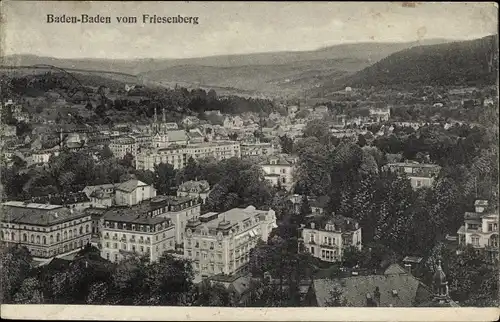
point(377, 189)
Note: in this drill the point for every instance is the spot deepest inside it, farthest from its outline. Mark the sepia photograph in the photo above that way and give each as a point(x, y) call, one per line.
point(249, 160)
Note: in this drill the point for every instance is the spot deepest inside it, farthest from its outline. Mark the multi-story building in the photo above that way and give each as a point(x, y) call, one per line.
point(133, 192)
point(120, 146)
point(420, 175)
point(127, 232)
point(177, 209)
point(219, 150)
point(169, 138)
point(221, 243)
point(256, 149)
point(176, 156)
point(480, 229)
point(279, 169)
point(328, 242)
point(196, 189)
point(46, 230)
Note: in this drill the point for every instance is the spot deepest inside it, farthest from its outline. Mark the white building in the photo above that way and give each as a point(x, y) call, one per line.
point(328, 243)
point(420, 174)
point(221, 243)
point(480, 229)
point(195, 189)
point(46, 230)
point(130, 233)
point(133, 192)
point(256, 149)
point(279, 170)
point(120, 146)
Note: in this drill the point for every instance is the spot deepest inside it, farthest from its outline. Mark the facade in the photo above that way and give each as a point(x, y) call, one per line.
point(173, 155)
point(219, 150)
point(127, 232)
point(279, 170)
point(221, 243)
point(480, 229)
point(162, 140)
point(256, 149)
point(120, 146)
point(133, 192)
point(46, 230)
point(380, 114)
point(178, 155)
point(327, 243)
point(194, 189)
point(420, 175)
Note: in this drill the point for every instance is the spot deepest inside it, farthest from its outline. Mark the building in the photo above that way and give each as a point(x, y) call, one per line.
point(122, 145)
point(256, 149)
point(279, 170)
point(195, 136)
point(133, 192)
point(440, 292)
point(233, 122)
point(162, 140)
point(196, 189)
point(177, 156)
point(318, 205)
point(380, 114)
point(480, 229)
point(45, 230)
point(129, 232)
point(221, 243)
point(394, 288)
point(76, 200)
point(420, 175)
point(105, 188)
point(219, 150)
point(328, 242)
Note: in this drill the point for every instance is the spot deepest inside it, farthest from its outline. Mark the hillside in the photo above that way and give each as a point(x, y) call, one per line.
point(468, 63)
point(270, 73)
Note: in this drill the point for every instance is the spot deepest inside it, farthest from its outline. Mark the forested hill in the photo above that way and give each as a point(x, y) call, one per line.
point(468, 63)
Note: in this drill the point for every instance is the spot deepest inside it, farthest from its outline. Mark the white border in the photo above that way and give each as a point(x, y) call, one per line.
point(135, 313)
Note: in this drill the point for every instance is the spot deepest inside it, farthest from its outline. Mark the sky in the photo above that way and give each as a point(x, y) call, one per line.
point(233, 27)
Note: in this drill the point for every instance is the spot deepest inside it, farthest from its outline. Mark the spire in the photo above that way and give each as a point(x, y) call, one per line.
point(440, 285)
point(164, 117)
point(156, 116)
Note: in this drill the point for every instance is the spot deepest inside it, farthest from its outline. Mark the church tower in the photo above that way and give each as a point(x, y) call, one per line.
point(440, 286)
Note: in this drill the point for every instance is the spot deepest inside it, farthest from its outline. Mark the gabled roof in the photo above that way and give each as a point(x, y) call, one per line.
point(195, 186)
point(320, 202)
point(280, 159)
point(398, 290)
point(62, 199)
point(130, 185)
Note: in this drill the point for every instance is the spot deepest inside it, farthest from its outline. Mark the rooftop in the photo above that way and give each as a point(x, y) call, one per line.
point(195, 186)
point(148, 206)
point(280, 159)
point(130, 185)
point(234, 216)
point(62, 199)
point(37, 214)
point(396, 287)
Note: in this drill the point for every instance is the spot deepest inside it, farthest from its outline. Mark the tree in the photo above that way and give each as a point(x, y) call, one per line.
point(15, 266)
point(164, 178)
point(127, 161)
point(213, 295)
point(106, 152)
point(361, 140)
point(30, 292)
point(286, 144)
point(305, 207)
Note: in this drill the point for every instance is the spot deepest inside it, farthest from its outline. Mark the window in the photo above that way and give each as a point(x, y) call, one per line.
point(81, 230)
point(38, 239)
point(475, 241)
point(311, 238)
point(115, 245)
point(44, 240)
point(25, 237)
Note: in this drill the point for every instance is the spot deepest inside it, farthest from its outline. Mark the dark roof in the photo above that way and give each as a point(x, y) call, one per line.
point(37, 214)
point(398, 289)
point(320, 202)
point(280, 159)
point(62, 199)
point(127, 216)
point(130, 185)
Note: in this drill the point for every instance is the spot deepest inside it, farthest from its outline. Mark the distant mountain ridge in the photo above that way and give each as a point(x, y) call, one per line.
point(274, 72)
point(473, 62)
